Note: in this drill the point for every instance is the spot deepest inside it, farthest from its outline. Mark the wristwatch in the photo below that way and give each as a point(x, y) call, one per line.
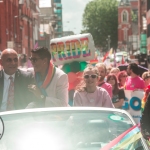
point(42, 97)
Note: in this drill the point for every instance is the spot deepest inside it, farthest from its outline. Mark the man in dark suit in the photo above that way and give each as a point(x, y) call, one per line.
point(21, 79)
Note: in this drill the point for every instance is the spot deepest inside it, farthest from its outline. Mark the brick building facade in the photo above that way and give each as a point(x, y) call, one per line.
point(17, 25)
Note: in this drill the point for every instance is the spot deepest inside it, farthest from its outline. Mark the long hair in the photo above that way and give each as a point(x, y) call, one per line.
point(116, 87)
point(82, 85)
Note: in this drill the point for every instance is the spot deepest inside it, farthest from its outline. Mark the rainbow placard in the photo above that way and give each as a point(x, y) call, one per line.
point(72, 48)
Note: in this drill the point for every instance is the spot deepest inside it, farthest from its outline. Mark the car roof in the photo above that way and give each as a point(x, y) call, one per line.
point(55, 109)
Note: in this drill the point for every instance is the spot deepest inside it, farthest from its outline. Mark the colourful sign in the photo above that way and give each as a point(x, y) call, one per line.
point(72, 48)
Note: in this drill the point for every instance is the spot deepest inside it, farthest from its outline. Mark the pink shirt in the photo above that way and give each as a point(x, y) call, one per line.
point(108, 88)
point(134, 83)
point(100, 98)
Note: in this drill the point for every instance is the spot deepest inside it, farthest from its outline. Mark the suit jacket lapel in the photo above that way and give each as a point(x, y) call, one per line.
point(1, 86)
point(16, 84)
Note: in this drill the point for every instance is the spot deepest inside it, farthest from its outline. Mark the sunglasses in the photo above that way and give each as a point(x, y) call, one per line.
point(33, 59)
point(88, 76)
point(124, 76)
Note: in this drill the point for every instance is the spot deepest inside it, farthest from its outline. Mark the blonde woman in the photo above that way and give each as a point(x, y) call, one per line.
point(88, 93)
point(146, 78)
point(115, 71)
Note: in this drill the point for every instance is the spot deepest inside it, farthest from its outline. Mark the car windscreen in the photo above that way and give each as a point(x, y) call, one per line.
point(62, 130)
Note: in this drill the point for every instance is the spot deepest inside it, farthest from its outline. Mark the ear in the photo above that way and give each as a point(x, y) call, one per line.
point(2, 62)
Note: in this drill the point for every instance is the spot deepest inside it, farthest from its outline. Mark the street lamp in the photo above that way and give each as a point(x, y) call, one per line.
point(109, 41)
point(15, 36)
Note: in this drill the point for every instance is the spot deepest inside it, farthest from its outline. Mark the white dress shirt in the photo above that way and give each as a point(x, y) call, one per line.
point(5, 91)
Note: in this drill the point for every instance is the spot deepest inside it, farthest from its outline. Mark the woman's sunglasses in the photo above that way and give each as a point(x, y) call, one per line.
point(88, 76)
point(124, 76)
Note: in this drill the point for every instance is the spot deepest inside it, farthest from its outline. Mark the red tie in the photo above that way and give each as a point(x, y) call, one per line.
point(10, 100)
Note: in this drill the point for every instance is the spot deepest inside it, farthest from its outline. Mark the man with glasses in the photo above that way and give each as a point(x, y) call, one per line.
point(51, 82)
point(14, 93)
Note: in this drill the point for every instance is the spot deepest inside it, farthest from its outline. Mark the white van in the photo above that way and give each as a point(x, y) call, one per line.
point(119, 56)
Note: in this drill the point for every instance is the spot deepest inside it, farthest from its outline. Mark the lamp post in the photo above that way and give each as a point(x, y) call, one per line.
point(15, 28)
point(109, 41)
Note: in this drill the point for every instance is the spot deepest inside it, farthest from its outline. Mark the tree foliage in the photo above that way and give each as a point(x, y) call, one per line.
point(100, 18)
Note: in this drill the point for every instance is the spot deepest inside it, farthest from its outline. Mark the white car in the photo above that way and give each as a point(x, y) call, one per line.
point(66, 129)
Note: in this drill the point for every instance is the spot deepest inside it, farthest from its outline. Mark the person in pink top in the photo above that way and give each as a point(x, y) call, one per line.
point(88, 94)
point(103, 72)
point(134, 82)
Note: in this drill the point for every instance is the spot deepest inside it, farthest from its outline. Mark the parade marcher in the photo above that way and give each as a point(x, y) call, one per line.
point(88, 93)
point(146, 78)
point(133, 81)
point(14, 93)
point(118, 93)
point(109, 69)
point(103, 72)
point(122, 75)
point(115, 71)
point(51, 83)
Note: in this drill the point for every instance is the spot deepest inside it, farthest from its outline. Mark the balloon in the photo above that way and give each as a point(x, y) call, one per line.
point(72, 77)
point(83, 65)
point(71, 86)
point(75, 66)
point(66, 68)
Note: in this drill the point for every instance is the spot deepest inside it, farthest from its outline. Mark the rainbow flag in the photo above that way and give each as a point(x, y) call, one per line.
point(109, 53)
point(147, 91)
point(127, 140)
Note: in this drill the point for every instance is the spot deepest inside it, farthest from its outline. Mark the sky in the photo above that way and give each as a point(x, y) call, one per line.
point(72, 14)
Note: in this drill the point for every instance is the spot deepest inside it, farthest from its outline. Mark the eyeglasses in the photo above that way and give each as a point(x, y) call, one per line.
point(88, 76)
point(124, 76)
point(33, 60)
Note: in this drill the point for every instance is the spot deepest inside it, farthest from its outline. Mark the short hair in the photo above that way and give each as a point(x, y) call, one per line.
point(134, 67)
point(101, 65)
point(43, 52)
point(145, 75)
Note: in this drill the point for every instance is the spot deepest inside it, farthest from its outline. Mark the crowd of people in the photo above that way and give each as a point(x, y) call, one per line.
point(45, 85)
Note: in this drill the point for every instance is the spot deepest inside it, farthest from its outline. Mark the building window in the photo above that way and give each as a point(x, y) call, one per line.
point(125, 16)
point(125, 34)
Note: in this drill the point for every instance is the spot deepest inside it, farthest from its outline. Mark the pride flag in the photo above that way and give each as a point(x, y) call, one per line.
point(109, 53)
point(127, 140)
point(147, 91)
